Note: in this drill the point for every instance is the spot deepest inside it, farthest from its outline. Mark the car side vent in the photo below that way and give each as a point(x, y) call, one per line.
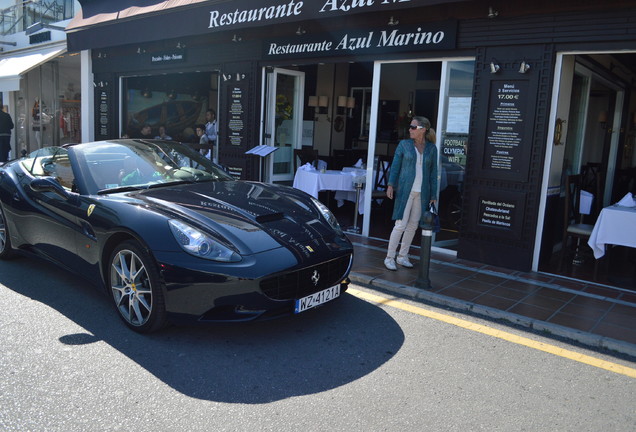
point(271, 217)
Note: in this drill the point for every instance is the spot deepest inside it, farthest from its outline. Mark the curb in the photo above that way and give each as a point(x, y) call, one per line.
point(584, 338)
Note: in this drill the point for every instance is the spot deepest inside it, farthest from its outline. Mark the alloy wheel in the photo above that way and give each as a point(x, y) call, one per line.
point(131, 287)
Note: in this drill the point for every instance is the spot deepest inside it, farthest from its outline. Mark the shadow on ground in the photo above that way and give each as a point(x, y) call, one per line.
point(249, 363)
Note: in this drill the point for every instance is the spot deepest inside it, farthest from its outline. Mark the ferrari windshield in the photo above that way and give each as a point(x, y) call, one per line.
point(111, 165)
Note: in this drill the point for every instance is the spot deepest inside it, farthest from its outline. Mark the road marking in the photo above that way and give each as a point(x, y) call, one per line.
point(520, 340)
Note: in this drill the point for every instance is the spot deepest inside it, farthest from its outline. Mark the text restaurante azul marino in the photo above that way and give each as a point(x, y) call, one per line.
point(352, 43)
point(293, 8)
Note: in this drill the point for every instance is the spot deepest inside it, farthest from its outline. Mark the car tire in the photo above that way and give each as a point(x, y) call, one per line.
point(6, 251)
point(135, 287)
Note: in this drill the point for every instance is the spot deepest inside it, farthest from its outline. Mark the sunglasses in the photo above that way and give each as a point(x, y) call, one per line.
point(413, 127)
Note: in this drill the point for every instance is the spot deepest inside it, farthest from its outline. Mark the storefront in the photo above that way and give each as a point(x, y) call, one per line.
point(39, 79)
point(512, 92)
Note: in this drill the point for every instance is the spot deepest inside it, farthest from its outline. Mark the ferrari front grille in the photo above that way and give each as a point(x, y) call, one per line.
point(303, 282)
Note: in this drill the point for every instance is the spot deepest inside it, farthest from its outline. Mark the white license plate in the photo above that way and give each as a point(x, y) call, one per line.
point(317, 299)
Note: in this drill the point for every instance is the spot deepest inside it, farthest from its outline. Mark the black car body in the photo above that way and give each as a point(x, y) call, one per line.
point(169, 234)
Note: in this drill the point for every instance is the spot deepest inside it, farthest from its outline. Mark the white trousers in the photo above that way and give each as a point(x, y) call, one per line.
point(406, 227)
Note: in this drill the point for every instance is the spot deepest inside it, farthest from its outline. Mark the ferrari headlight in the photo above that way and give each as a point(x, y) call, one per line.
point(327, 214)
point(200, 244)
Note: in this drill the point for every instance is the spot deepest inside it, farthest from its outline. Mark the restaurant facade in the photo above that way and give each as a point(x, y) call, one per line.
point(520, 96)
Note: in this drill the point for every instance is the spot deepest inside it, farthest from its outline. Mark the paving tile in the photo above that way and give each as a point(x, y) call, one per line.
point(591, 302)
point(583, 323)
point(475, 285)
point(581, 310)
point(531, 311)
point(518, 285)
point(555, 294)
point(604, 292)
point(494, 301)
point(624, 316)
point(488, 278)
point(544, 302)
point(459, 293)
point(400, 277)
point(442, 279)
point(507, 293)
point(616, 332)
point(628, 297)
point(499, 270)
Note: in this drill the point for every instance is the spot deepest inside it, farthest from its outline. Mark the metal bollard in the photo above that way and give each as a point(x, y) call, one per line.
point(426, 223)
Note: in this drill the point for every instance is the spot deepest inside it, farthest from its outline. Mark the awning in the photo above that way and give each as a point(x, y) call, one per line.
point(12, 68)
point(102, 24)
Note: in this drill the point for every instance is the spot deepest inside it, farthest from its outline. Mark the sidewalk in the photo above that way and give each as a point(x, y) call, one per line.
point(595, 315)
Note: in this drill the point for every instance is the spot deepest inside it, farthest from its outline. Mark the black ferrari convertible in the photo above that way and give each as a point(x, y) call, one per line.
point(169, 235)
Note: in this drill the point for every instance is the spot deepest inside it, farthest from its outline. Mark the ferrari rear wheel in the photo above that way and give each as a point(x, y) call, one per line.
point(135, 287)
point(5, 240)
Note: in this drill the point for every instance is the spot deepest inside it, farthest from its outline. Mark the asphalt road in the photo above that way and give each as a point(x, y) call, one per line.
point(67, 363)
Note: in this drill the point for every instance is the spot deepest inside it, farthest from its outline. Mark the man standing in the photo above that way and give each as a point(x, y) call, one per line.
point(211, 131)
point(6, 125)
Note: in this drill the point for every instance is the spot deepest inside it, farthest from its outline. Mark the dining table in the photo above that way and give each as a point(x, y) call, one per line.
point(343, 182)
point(616, 225)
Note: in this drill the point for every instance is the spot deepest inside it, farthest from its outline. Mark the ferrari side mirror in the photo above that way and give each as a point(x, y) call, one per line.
point(49, 184)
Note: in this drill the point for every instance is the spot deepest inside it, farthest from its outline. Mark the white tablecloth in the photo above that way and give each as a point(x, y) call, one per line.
point(315, 181)
point(615, 225)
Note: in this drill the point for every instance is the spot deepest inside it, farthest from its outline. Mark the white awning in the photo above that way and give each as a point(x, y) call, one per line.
point(14, 66)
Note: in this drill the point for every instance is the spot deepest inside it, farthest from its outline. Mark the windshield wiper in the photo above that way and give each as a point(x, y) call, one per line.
point(119, 189)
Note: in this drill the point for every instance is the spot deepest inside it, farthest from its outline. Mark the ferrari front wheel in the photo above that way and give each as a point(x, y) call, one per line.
point(5, 240)
point(136, 289)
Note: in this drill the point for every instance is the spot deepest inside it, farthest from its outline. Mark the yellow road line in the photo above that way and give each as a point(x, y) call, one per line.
point(581, 358)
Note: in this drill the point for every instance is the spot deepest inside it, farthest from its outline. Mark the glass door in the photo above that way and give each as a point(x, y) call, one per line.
point(456, 89)
point(283, 128)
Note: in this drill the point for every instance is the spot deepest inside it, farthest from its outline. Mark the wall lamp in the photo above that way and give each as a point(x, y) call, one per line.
point(236, 38)
point(602, 119)
point(301, 31)
point(525, 67)
point(345, 102)
point(494, 66)
point(320, 102)
point(492, 13)
point(393, 21)
point(36, 27)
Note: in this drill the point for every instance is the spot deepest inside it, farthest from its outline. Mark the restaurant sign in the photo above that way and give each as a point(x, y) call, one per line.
point(434, 36)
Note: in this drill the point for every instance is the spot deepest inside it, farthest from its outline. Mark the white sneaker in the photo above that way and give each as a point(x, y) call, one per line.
point(390, 264)
point(404, 262)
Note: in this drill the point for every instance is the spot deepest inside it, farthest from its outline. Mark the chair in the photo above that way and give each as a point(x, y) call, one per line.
point(305, 155)
point(382, 168)
point(574, 226)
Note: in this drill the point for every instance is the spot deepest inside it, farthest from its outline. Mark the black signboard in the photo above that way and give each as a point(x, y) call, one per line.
point(103, 115)
point(505, 128)
point(236, 116)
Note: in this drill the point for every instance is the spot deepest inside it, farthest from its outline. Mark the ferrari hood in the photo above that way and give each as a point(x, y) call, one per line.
point(252, 216)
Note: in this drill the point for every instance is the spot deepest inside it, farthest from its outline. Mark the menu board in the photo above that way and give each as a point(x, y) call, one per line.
point(236, 123)
point(505, 126)
point(103, 114)
point(496, 213)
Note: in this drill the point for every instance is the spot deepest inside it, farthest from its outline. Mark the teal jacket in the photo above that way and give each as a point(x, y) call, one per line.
point(402, 175)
